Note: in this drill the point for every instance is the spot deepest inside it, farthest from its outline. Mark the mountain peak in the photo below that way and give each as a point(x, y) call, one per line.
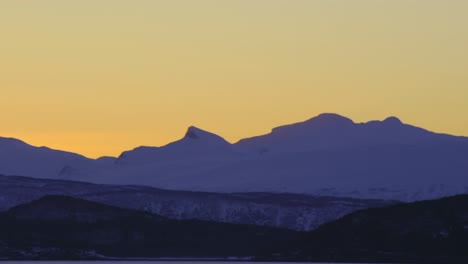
point(393, 120)
point(328, 119)
point(195, 133)
point(192, 132)
point(322, 121)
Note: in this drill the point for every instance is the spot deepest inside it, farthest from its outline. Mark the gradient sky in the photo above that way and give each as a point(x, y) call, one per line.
point(101, 76)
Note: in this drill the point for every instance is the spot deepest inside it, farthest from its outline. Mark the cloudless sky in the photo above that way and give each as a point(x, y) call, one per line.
point(101, 76)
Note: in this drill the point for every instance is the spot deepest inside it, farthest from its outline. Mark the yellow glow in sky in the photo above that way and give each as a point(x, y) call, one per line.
point(101, 76)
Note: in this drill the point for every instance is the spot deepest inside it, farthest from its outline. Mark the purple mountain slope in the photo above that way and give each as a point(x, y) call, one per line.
point(17, 157)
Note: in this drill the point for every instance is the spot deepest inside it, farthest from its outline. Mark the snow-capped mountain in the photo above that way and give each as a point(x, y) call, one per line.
point(293, 211)
point(326, 155)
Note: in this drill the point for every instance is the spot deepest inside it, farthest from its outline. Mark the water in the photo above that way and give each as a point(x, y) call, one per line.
point(160, 262)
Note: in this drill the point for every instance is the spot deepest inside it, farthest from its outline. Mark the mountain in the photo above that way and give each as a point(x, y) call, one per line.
point(197, 152)
point(60, 227)
point(423, 232)
point(292, 211)
point(196, 144)
point(328, 155)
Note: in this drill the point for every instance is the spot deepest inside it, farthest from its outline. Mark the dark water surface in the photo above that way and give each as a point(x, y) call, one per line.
point(163, 262)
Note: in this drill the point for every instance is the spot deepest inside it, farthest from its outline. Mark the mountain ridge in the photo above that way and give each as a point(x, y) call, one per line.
point(193, 129)
point(327, 155)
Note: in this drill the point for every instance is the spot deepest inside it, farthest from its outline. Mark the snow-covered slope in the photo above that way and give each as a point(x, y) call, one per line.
point(293, 211)
point(326, 155)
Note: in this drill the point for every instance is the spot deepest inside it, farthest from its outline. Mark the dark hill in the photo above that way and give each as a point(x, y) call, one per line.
point(59, 227)
point(423, 232)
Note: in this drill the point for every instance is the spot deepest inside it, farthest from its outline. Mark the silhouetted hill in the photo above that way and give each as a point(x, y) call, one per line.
point(59, 227)
point(423, 232)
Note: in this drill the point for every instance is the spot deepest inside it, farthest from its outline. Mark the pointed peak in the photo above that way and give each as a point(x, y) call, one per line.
point(393, 120)
point(191, 133)
point(195, 133)
point(195, 129)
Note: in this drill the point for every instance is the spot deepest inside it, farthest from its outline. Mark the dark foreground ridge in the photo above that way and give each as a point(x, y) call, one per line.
point(60, 227)
point(421, 232)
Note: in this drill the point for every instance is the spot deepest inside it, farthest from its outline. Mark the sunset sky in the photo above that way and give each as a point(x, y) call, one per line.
point(99, 77)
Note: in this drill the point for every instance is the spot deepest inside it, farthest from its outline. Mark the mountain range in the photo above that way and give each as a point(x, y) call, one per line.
point(326, 155)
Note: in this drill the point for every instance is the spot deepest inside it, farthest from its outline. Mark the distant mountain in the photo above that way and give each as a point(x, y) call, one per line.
point(292, 211)
point(328, 155)
point(422, 232)
point(197, 152)
point(59, 227)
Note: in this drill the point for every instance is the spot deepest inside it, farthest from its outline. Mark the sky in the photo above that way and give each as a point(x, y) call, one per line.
point(99, 77)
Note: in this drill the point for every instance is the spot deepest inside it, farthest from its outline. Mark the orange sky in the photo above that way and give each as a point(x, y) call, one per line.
point(101, 76)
